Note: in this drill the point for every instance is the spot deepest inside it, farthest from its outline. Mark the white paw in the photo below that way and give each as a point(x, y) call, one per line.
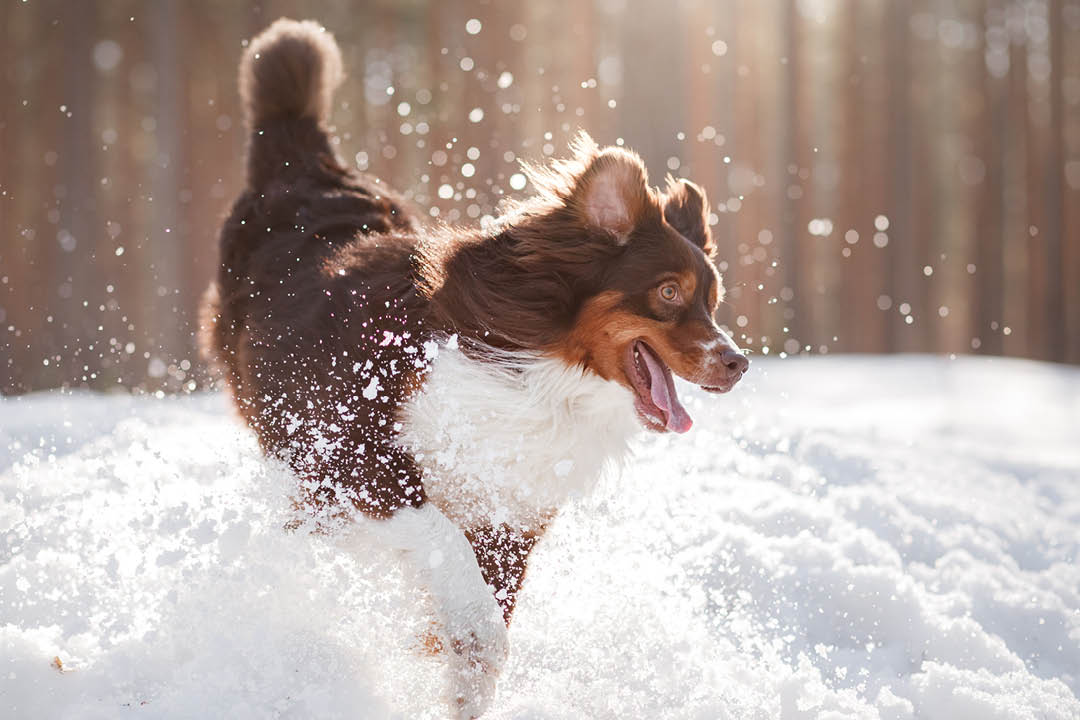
point(477, 648)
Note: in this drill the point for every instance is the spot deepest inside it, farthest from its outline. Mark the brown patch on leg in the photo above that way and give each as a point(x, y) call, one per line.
point(502, 553)
point(430, 643)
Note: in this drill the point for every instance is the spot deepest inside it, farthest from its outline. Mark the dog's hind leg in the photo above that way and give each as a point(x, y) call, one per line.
point(473, 631)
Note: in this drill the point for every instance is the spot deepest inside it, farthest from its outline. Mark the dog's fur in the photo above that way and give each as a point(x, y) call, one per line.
point(457, 384)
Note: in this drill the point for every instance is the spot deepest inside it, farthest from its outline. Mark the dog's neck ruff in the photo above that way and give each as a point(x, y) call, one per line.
point(510, 437)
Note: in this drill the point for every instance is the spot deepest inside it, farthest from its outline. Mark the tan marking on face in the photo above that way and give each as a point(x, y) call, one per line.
point(603, 332)
point(600, 336)
point(716, 290)
point(688, 283)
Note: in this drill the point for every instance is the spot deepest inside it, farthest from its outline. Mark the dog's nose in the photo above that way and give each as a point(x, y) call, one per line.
point(735, 362)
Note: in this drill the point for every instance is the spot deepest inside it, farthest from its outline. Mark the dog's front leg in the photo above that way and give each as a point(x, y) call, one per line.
point(502, 553)
point(472, 622)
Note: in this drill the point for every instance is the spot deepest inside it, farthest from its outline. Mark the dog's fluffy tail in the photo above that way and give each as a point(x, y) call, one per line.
point(290, 71)
point(288, 75)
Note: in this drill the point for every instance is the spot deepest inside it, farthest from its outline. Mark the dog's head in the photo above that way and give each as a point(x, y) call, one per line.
point(645, 307)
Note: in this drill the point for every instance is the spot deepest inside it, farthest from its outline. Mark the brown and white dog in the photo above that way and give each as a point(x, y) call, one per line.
point(457, 384)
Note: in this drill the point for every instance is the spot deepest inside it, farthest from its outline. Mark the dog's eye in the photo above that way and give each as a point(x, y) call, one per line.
point(669, 291)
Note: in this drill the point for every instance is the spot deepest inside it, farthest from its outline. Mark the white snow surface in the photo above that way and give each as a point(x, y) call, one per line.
point(838, 538)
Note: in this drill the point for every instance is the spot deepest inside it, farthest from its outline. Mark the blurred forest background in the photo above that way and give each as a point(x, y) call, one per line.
point(885, 176)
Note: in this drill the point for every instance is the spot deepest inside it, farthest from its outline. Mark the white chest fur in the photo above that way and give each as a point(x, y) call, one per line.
point(510, 441)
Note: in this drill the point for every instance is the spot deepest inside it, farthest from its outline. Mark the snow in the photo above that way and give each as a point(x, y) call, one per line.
point(839, 538)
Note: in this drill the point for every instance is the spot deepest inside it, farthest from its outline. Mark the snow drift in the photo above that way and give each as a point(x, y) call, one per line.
point(839, 538)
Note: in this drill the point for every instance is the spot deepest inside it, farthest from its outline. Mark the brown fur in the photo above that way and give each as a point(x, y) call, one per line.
point(687, 210)
point(328, 284)
point(502, 553)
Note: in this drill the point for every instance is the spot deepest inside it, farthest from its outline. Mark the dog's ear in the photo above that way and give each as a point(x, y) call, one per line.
point(687, 210)
point(606, 189)
point(612, 192)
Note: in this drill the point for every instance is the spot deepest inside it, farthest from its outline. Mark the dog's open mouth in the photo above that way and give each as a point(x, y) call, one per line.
point(655, 399)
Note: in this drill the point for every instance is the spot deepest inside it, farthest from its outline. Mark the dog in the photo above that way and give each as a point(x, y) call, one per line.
point(456, 384)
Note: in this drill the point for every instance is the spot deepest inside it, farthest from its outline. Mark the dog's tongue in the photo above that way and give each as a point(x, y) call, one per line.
point(663, 392)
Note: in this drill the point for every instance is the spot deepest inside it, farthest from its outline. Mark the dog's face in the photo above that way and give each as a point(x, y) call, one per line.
point(652, 312)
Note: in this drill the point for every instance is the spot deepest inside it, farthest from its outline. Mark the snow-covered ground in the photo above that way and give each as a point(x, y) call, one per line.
point(839, 538)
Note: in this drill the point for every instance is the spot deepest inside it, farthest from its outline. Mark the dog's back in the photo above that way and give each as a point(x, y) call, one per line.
point(297, 255)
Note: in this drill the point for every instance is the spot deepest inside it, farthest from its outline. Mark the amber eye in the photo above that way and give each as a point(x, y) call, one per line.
point(669, 292)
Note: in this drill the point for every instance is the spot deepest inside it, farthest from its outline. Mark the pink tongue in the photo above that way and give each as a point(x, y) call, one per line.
point(663, 393)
